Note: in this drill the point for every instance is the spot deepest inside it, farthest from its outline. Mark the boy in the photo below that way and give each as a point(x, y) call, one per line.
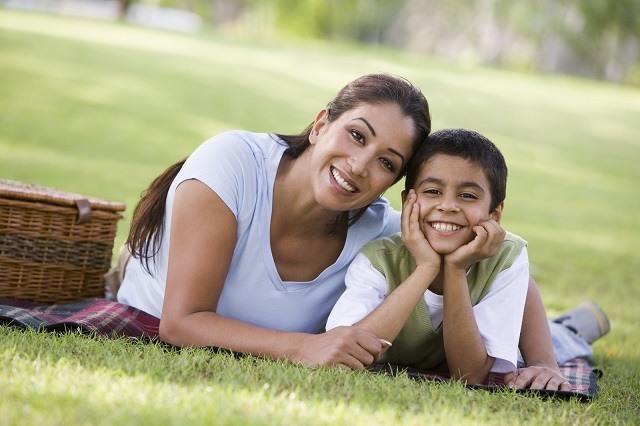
point(448, 292)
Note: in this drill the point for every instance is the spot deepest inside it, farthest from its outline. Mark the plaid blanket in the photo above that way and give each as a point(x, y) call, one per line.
point(92, 316)
point(105, 318)
point(578, 371)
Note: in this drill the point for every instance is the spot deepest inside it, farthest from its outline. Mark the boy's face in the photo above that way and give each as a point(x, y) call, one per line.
point(454, 196)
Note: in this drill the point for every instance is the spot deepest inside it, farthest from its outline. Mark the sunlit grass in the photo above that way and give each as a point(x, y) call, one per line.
point(101, 109)
point(74, 379)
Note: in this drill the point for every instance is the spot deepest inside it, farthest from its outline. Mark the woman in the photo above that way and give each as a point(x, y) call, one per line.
point(282, 216)
point(245, 244)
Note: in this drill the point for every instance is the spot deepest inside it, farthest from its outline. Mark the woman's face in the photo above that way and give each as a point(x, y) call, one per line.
point(356, 157)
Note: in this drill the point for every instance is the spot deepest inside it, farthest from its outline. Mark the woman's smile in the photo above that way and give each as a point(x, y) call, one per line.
point(342, 181)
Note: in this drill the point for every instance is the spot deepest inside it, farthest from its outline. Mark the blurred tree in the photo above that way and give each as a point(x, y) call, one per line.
point(123, 7)
point(362, 20)
point(607, 35)
point(593, 38)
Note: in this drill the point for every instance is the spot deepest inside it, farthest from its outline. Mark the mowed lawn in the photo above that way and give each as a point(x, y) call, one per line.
point(102, 108)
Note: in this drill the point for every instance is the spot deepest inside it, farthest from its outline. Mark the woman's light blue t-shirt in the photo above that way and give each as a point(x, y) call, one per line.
point(241, 168)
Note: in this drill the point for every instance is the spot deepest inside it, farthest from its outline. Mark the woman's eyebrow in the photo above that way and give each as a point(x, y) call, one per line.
point(373, 132)
point(396, 153)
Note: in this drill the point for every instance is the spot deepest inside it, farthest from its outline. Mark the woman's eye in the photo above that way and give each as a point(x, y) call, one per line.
point(431, 191)
point(357, 136)
point(388, 164)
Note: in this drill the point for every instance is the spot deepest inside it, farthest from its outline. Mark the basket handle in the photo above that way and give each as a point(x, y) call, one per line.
point(84, 210)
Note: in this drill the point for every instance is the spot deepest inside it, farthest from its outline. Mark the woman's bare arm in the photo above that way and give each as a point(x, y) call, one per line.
point(203, 228)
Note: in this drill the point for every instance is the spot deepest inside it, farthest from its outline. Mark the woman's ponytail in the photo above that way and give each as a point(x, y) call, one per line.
point(147, 225)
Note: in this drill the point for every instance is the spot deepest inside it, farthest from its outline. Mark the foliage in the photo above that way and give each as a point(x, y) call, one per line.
point(589, 38)
point(351, 19)
point(100, 109)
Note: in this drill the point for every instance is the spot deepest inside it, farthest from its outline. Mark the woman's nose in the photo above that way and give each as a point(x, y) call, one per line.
point(358, 165)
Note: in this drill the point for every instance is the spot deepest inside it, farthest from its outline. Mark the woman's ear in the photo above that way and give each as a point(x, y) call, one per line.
point(496, 214)
point(318, 123)
point(403, 194)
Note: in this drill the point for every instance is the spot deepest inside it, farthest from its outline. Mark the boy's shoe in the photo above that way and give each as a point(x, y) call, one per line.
point(587, 320)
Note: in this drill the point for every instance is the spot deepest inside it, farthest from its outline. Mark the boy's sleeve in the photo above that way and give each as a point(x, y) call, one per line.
point(499, 314)
point(366, 289)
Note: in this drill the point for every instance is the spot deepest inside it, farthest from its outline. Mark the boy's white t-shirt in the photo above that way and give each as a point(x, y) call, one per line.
point(241, 168)
point(498, 314)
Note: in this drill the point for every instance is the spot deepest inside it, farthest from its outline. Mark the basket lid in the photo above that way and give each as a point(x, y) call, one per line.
point(28, 192)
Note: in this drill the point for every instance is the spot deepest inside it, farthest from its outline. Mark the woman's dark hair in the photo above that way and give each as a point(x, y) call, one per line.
point(147, 224)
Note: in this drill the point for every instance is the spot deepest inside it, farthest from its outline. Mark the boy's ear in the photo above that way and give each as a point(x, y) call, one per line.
point(318, 123)
point(496, 214)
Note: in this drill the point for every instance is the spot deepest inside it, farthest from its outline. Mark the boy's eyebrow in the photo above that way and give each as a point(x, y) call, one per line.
point(373, 132)
point(463, 184)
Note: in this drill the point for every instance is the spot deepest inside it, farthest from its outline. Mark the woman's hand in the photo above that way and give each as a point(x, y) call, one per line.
point(537, 377)
point(413, 237)
point(346, 347)
point(489, 236)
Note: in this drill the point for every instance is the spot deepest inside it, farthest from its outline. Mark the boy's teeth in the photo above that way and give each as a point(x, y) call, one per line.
point(444, 227)
point(343, 183)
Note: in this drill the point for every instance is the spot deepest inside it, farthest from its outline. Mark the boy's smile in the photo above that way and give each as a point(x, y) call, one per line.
point(454, 196)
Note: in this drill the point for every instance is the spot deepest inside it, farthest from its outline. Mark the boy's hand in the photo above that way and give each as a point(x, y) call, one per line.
point(489, 236)
point(413, 237)
point(537, 377)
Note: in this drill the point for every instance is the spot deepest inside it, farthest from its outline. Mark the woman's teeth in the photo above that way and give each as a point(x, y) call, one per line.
point(444, 227)
point(343, 183)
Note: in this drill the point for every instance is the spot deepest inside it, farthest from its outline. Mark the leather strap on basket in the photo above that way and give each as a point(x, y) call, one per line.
point(84, 210)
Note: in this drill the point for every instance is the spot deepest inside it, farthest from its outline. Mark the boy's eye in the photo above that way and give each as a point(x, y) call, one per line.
point(388, 164)
point(468, 195)
point(357, 136)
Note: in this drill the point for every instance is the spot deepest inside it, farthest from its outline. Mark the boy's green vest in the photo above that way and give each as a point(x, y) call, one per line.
point(418, 344)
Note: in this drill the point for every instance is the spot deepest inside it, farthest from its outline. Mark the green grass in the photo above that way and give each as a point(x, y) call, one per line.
point(100, 109)
point(74, 379)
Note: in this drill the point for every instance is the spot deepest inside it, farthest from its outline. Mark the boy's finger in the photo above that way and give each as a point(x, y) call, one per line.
point(494, 234)
point(407, 207)
point(414, 218)
point(566, 386)
point(481, 235)
point(521, 379)
point(510, 379)
point(493, 228)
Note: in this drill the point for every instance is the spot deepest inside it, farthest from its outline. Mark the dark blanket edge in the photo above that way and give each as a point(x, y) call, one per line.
point(104, 318)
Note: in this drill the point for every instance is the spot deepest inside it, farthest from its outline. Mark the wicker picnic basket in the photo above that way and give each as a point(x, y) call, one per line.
point(55, 246)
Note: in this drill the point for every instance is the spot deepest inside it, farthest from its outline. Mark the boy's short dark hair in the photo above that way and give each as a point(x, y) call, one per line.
point(471, 146)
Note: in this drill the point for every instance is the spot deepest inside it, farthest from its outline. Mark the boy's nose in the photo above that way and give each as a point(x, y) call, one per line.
point(449, 204)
